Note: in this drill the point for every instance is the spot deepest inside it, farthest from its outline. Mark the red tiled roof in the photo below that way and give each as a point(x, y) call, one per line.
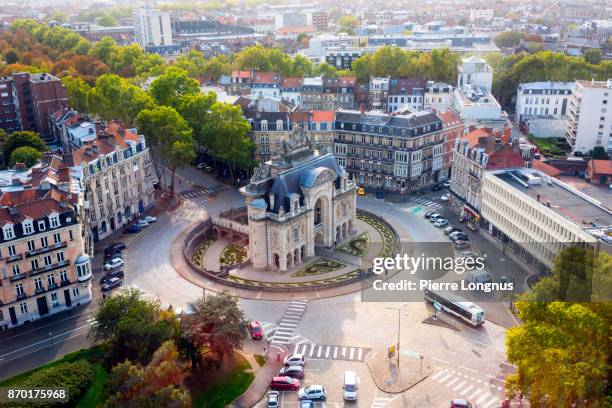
point(546, 168)
point(18, 197)
point(505, 158)
point(33, 209)
point(449, 119)
point(241, 74)
point(109, 139)
point(298, 117)
point(322, 116)
point(474, 136)
point(603, 167)
point(266, 78)
point(292, 82)
point(296, 30)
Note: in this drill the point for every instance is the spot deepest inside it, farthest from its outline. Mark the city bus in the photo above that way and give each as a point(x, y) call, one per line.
point(461, 308)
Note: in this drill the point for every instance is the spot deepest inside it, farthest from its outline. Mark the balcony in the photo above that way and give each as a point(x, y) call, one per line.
point(53, 286)
point(13, 258)
point(65, 283)
point(48, 268)
point(46, 249)
point(21, 296)
point(17, 277)
point(40, 290)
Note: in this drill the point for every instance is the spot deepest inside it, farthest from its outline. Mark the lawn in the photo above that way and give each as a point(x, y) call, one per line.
point(261, 360)
point(549, 146)
point(215, 388)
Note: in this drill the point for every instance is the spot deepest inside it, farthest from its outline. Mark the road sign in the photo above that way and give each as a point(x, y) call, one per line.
point(391, 351)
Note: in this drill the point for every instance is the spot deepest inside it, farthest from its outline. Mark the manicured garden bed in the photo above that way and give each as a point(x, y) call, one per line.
point(232, 255)
point(318, 267)
point(198, 255)
point(358, 246)
point(388, 238)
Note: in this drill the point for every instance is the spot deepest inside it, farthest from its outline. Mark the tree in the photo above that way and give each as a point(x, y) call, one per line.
point(592, 56)
point(169, 87)
point(347, 24)
point(215, 67)
point(78, 93)
point(26, 155)
point(169, 138)
point(508, 39)
point(114, 98)
point(216, 322)
point(327, 71)
point(158, 384)
point(599, 153)
point(562, 348)
point(132, 327)
point(11, 57)
point(192, 62)
point(22, 139)
point(104, 49)
point(107, 21)
point(196, 110)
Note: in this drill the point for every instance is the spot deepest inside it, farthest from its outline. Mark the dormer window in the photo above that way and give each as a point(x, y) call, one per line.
point(28, 227)
point(264, 125)
point(54, 220)
point(279, 125)
point(8, 232)
point(41, 225)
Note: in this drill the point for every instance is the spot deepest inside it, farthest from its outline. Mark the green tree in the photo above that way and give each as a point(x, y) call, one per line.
point(114, 98)
point(192, 62)
point(107, 21)
point(169, 138)
point(215, 67)
point(26, 155)
point(255, 57)
point(132, 327)
point(562, 347)
point(22, 139)
point(326, 70)
point(592, 56)
point(174, 83)
point(197, 111)
point(216, 322)
point(104, 49)
point(78, 93)
point(347, 24)
point(508, 39)
point(599, 153)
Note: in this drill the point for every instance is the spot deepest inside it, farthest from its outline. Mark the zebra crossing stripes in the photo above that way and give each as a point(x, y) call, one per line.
point(468, 386)
point(290, 320)
point(317, 351)
point(203, 190)
point(426, 202)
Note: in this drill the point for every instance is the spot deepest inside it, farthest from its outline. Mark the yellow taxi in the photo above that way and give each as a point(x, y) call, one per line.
point(361, 191)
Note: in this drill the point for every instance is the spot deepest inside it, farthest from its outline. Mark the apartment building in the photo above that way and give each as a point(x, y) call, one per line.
point(379, 88)
point(291, 90)
point(406, 92)
point(542, 99)
point(312, 93)
point(536, 216)
point(474, 71)
point(590, 116)
point(152, 26)
point(28, 99)
point(117, 175)
point(44, 267)
point(439, 96)
point(265, 84)
point(343, 57)
point(394, 152)
point(476, 103)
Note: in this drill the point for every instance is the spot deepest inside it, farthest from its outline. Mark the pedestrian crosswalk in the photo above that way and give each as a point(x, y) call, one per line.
point(468, 386)
point(289, 321)
point(426, 202)
point(268, 328)
point(203, 190)
point(317, 351)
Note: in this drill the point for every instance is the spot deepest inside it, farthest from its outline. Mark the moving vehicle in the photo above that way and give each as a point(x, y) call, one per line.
point(445, 197)
point(429, 214)
point(440, 223)
point(294, 359)
point(454, 304)
point(313, 392)
point(361, 191)
point(111, 284)
point(132, 229)
point(273, 399)
point(255, 330)
point(380, 195)
point(450, 230)
point(350, 386)
point(114, 274)
point(293, 371)
point(150, 219)
point(113, 264)
point(461, 403)
point(285, 383)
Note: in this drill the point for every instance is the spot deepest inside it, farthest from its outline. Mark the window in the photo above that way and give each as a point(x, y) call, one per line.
point(28, 227)
point(296, 233)
point(34, 263)
point(19, 289)
point(1, 316)
point(16, 270)
point(41, 225)
point(63, 276)
point(47, 260)
point(51, 279)
point(8, 231)
point(54, 300)
point(11, 250)
point(264, 125)
point(75, 292)
point(279, 125)
point(24, 307)
point(44, 242)
point(31, 245)
point(54, 220)
point(57, 238)
point(60, 257)
point(38, 284)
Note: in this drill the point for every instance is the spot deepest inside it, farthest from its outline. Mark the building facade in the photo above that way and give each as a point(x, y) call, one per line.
point(45, 268)
point(542, 99)
point(152, 26)
point(474, 71)
point(406, 92)
point(439, 97)
point(297, 202)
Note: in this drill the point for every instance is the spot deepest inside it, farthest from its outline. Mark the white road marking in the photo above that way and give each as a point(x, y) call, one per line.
point(474, 394)
point(343, 352)
point(438, 374)
point(451, 382)
point(360, 354)
point(466, 390)
point(327, 350)
point(312, 347)
point(352, 353)
point(335, 352)
point(441, 380)
point(468, 369)
point(320, 351)
point(481, 399)
point(461, 384)
point(442, 361)
point(491, 402)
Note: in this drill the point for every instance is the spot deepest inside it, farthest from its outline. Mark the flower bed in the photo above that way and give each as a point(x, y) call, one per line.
point(388, 238)
point(320, 266)
point(198, 255)
point(232, 255)
point(358, 246)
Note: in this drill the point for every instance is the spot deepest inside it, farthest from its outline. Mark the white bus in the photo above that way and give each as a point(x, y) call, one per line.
point(467, 311)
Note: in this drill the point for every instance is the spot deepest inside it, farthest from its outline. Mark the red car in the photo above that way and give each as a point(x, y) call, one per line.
point(256, 330)
point(461, 403)
point(285, 383)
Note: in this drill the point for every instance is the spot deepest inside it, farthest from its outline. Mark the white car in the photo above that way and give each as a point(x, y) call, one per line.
point(445, 197)
point(433, 217)
point(113, 264)
point(294, 359)
point(312, 392)
point(141, 223)
point(150, 219)
point(273, 399)
point(440, 222)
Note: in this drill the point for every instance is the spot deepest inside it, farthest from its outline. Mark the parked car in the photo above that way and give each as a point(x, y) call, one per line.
point(141, 223)
point(132, 229)
point(461, 244)
point(293, 371)
point(112, 255)
point(255, 330)
point(313, 392)
point(455, 234)
point(113, 264)
point(440, 223)
point(307, 404)
point(294, 359)
point(380, 195)
point(206, 168)
point(111, 284)
point(285, 383)
point(113, 274)
point(150, 219)
point(461, 403)
point(472, 255)
point(433, 217)
point(479, 276)
point(361, 191)
point(273, 399)
point(429, 214)
point(450, 230)
point(114, 247)
point(445, 197)
point(437, 187)
point(446, 184)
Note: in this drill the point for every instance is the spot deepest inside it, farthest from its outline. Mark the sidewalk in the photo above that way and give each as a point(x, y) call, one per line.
point(260, 384)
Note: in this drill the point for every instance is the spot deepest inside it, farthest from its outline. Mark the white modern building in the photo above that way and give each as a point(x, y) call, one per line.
point(474, 71)
point(481, 14)
point(590, 116)
point(476, 103)
point(152, 26)
point(542, 99)
point(317, 46)
point(439, 96)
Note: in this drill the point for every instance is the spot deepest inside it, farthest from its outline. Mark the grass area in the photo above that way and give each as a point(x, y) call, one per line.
point(232, 255)
point(320, 266)
point(96, 393)
point(215, 388)
point(551, 146)
point(358, 246)
point(261, 360)
point(267, 284)
point(388, 238)
point(198, 255)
